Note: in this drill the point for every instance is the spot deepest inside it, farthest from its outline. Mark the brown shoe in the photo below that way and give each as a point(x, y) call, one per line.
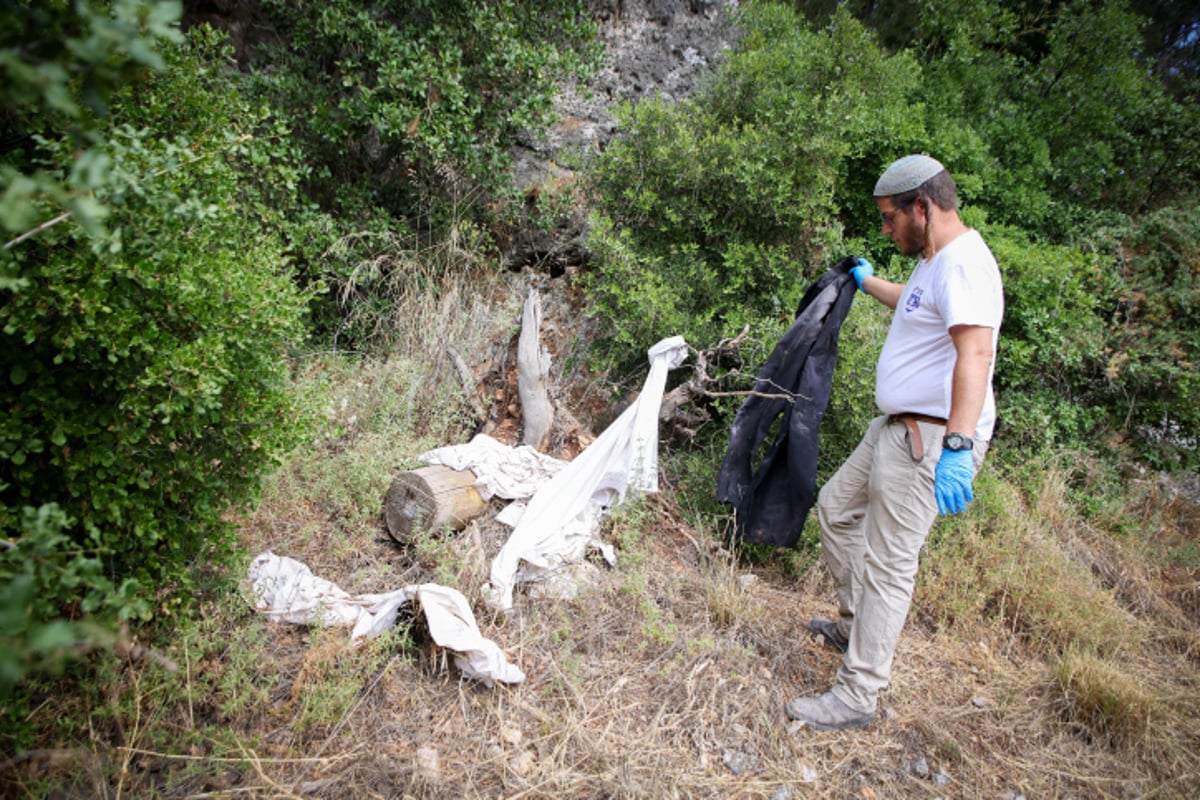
point(827, 629)
point(826, 712)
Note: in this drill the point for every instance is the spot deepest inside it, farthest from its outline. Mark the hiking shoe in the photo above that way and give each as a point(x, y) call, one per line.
point(827, 629)
point(826, 712)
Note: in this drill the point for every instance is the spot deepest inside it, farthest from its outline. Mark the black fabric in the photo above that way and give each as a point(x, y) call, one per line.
point(772, 500)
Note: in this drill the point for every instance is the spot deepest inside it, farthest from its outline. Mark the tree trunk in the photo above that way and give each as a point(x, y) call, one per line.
point(533, 375)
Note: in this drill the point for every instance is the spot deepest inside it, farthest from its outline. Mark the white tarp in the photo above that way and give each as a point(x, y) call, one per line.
point(562, 517)
point(513, 473)
point(566, 501)
point(286, 590)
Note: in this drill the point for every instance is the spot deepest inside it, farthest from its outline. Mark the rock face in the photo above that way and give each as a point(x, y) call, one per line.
point(652, 49)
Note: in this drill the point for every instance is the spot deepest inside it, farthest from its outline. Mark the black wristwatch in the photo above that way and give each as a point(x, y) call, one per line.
point(956, 441)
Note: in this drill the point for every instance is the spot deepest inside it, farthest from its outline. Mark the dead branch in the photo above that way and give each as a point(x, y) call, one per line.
point(533, 375)
point(687, 393)
point(680, 408)
point(469, 383)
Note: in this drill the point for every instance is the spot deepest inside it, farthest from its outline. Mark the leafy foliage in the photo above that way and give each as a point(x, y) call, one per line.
point(44, 566)
point(145, 367)
point(1153, 345)
point(1078, 102)
point(406, 113)
point(1050, 369)
point(714, 212)
point(418, 99)
point(59, 66)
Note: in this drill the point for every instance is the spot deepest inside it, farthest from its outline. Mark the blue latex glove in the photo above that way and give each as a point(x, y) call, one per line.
point(861, 269)
point(952, 481)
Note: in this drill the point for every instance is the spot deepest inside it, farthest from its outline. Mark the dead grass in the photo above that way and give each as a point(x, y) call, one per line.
point(1026, 670)
point(1113, 704)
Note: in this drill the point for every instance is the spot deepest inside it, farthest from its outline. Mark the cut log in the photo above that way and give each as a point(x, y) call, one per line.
point(431, 499)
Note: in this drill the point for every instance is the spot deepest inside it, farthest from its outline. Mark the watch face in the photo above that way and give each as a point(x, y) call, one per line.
point(956, 441)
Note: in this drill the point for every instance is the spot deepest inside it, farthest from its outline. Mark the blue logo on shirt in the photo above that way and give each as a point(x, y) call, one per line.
point(914, 299)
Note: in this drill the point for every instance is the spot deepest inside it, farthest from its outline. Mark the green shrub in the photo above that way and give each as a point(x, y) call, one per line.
point(1158, 331)
point(41, 571)
point(717, 212)
point(406, 113)
point(418, 101)
point(1100, 340)
point(1050, 366)
point(60, 63)
point(145, 377)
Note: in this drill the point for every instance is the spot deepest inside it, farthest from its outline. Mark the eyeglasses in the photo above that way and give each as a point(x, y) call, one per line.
point(889, 215)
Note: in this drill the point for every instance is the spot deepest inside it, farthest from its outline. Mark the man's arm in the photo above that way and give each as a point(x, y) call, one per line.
point(973, 345)
point(885, 292)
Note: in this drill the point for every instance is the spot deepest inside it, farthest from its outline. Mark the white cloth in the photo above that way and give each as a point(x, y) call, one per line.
point(285, 590)
point(512, 473)
point(960, 285)
point(560, 521)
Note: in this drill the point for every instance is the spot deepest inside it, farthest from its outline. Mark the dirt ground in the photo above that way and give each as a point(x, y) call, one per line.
point(666, 677)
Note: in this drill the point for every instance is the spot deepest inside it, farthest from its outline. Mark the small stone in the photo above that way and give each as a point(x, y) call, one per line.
point(940, 778)
point(808, 774)
point(312, 787)
point(782, 793)
point(738, 762)
point(747, 581)
point(511, 735)
point(522, 764)
point(919, 767)
point(980, 702)
point(429, 765)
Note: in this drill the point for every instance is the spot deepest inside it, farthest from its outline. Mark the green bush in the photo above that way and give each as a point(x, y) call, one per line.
point(1154, 339)
point(60, 63)
point(416, 102)
point(717, 212)
point(1050, 365)
point(1075, 103)
point(406, 113)
point(40, 572)
point(145, 377)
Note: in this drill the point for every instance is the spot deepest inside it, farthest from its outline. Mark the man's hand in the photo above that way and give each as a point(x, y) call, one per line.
point(861, 269)
point(952, 481)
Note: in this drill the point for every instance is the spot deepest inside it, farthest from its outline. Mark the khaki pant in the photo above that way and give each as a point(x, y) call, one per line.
point(875, 513)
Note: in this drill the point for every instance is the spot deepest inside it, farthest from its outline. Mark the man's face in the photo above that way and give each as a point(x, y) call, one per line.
point(904, 225)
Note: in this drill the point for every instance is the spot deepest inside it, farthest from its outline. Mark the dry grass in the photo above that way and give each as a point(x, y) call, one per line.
point(1041, 660)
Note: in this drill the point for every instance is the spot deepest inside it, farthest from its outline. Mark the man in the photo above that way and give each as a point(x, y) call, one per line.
point(934, 386)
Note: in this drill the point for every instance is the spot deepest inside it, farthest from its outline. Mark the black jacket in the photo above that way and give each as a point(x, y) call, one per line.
point(771, 500)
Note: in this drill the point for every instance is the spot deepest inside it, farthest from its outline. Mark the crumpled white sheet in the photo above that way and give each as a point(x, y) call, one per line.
point(513, 473)
point(286, 590)
point(562, 517)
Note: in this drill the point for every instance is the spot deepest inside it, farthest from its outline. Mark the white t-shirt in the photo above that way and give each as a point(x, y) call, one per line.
point(960, 285)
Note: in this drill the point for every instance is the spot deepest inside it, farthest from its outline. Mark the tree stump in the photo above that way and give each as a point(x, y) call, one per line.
point(533, 376)
point(431, 498)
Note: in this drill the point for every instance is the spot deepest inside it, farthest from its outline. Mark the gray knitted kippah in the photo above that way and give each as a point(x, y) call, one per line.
point(906, 174)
